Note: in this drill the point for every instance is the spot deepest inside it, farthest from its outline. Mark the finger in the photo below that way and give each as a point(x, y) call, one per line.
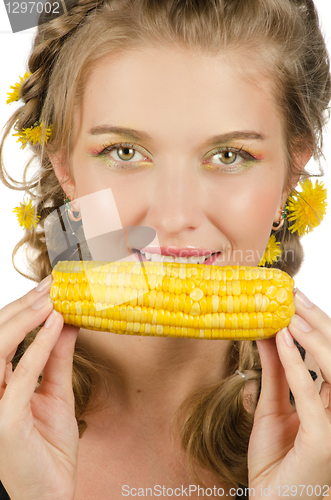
point(8, 372)
point(13, 331)
point(308, 403)
point(11, 355)
point(317, 343)
point(313, 315)
point(57, 374)
point(24, 379)
point(10, 310)
point(274, 397)
point(5, 373)
point(325, 394)
point(2, 377)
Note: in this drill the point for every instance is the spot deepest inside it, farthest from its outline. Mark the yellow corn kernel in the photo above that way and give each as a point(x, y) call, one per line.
point(171, 299)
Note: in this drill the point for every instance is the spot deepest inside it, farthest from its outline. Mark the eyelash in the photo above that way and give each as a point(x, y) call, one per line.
point(107, 148)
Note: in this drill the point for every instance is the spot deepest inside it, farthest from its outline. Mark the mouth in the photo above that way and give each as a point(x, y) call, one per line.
point(206, 259)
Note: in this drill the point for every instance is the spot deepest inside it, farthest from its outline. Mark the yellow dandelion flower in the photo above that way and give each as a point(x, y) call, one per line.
point(14, 94)
point(272, 252)
point(34, 134)
point(308, 207)
point(26, 215)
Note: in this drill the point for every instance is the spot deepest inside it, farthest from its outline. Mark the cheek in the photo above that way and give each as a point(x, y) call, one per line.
point(260, 225)
point(246, 216)
point(263, 211)
point(249, 204)
point(85, 180)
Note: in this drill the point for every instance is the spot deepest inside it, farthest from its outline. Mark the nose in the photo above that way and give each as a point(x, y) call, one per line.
point(176, 201)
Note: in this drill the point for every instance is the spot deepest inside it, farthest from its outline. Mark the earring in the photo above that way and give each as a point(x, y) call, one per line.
point(273, 250)
point(70, 211)
point(280, 223)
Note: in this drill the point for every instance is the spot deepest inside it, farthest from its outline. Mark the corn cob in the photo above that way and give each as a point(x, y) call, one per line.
point(173, 299)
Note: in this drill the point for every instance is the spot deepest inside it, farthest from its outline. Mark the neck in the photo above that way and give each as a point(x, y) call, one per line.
point(155, 373)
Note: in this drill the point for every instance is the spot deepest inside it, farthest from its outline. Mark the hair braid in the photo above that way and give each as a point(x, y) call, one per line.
point(223, 411)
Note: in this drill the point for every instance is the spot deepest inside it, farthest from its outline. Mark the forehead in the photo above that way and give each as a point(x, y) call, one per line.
point(151, 85)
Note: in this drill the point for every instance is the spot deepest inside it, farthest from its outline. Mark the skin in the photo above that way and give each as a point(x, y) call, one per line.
point(181, 101)
point(163, 92)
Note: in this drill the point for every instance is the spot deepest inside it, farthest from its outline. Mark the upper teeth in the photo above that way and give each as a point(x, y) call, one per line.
point(155, 257)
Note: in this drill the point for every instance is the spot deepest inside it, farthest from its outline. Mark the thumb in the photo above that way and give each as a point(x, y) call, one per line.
point(275, 391)
point(57, 374)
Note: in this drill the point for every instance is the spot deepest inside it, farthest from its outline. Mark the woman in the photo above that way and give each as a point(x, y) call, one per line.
point(216, 146)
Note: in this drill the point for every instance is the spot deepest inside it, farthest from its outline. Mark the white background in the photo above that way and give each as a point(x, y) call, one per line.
point(315, 277)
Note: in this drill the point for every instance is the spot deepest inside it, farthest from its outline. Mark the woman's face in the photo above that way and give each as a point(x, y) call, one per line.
point(202, 158)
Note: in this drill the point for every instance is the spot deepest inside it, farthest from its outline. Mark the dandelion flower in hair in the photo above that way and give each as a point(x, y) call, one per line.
point(14, 94)
point(34, 134)
point(26, 215)
point(272, 252)
point(307, 208)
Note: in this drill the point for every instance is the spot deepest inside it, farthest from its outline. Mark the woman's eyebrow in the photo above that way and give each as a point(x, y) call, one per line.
point(129, 132)
point(136, 134)
point(237, 134)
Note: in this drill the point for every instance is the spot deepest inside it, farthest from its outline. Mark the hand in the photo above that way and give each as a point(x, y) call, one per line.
point(38, 429)
point(291, 446)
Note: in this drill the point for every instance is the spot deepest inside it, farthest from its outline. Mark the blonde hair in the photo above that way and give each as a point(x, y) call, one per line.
point(287, 39)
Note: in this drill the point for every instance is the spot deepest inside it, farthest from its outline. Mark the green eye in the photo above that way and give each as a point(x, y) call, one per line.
point(125, 153)
point(230, 156)
point(227, 157)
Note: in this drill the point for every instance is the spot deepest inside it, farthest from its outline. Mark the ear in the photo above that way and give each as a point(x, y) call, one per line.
point(63, 174)
point(302, 157)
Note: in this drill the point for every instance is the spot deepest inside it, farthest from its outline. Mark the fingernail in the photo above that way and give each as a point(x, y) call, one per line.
point(303, 300)
point(288, 339)
point(50, 320)
point(43, 301)
point(45, 283)
point(327, 400)
point(300, 324)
